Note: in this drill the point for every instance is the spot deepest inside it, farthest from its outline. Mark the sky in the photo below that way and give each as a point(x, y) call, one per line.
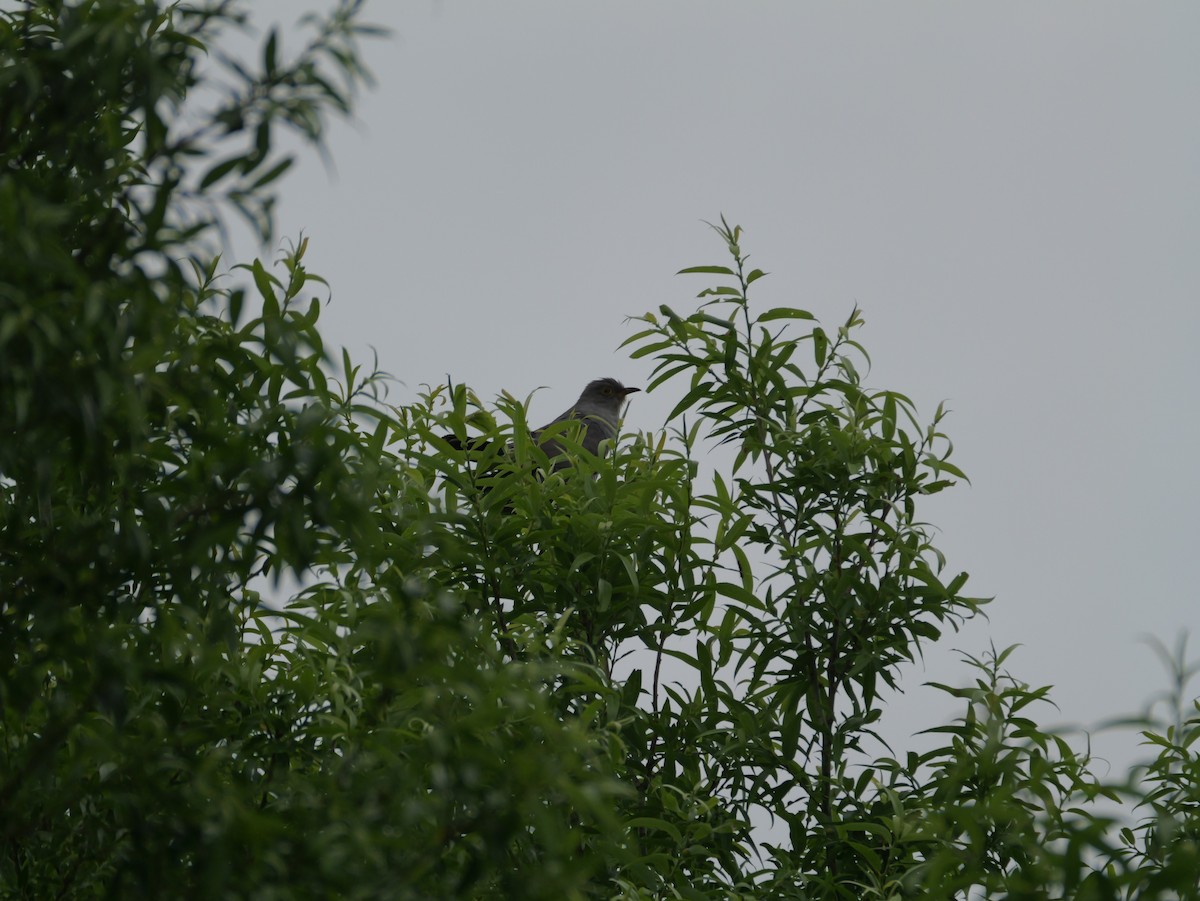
point(1010, 192)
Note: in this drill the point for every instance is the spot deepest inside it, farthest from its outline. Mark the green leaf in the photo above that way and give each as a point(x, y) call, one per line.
point(707, 270)
point(604, 592)
point(715, 320)
point(273, 173)
point(785, 313)
point(220, 170)
point(697, 393)
point(648, 349)
point(655, 824)
point(738, 593)
point(820, 346)
point(269, 50)
point(889, 417)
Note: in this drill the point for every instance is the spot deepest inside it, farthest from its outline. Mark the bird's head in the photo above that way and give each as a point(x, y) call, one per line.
point(605, 392)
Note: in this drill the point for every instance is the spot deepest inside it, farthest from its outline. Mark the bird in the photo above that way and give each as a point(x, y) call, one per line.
point(598, 409)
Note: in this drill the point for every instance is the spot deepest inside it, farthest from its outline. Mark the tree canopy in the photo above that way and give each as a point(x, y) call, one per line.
point(267, 634)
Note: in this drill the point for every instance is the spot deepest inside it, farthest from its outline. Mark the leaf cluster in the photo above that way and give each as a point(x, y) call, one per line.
point(175, 454)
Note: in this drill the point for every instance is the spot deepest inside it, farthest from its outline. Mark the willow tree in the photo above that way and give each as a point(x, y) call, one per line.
point(492, 677)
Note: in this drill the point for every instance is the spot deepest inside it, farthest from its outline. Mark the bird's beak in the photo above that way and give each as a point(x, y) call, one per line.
point(629, 391)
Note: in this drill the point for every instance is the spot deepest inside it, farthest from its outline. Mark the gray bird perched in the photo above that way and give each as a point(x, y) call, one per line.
point(598, 408)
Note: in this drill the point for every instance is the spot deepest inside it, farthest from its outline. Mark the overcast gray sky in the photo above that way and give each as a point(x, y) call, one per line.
point(1010, 191)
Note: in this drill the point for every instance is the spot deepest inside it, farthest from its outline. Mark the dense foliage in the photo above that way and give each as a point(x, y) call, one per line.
point(266, 635)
